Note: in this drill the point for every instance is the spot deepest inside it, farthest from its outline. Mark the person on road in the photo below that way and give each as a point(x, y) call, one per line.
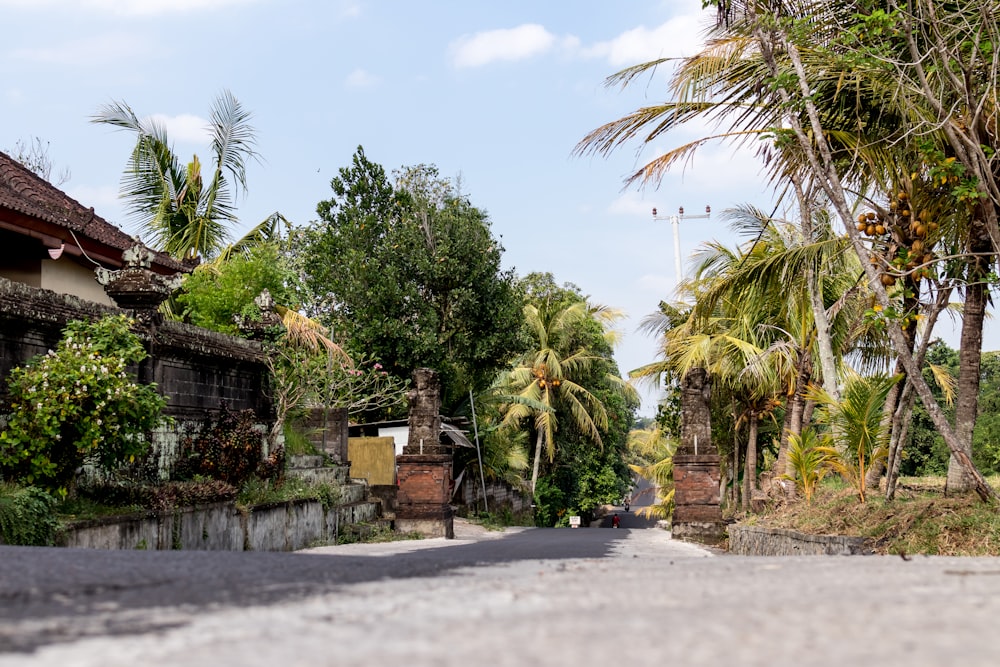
point(615, 521)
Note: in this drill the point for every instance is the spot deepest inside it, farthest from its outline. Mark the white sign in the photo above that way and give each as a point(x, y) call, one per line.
point(574, 522)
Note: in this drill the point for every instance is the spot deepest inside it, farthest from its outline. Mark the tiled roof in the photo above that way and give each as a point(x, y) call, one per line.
point(26, 193)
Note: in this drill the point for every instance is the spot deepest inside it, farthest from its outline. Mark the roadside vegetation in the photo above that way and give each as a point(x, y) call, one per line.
point(831, 389)
point(919, 520)
point(876, 127)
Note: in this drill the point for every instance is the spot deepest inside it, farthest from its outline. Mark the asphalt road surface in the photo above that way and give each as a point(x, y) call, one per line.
point(527, 597)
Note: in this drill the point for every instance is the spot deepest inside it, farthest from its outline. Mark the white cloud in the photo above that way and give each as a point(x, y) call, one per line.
point(350, 10)
point(680, 36)
point(185, 127)
point(360, 78)
point(87, 51)
point(483, 48)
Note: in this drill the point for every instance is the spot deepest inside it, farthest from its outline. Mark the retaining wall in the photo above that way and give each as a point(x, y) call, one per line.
point(222, 527)
point(498, 494)
point(759, 541)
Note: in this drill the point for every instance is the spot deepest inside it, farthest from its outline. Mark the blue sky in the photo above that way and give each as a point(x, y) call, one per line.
point(498, 93)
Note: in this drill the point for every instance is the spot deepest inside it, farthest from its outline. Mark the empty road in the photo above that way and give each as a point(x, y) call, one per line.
point(581, 597)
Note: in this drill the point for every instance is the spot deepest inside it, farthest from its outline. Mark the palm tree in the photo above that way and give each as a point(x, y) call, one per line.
point(654, 450)
point(856, 422)
point(545, 383)
point(847, 125)
point(183, 214)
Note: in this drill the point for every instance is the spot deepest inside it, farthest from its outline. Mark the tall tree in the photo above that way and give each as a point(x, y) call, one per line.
point(411, 274)
point(847, 89)
point(555, 380)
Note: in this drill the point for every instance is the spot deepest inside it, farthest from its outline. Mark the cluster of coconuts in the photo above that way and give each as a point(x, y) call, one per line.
point(906, 239)
point(543, 379)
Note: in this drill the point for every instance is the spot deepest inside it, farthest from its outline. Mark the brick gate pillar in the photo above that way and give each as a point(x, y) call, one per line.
point(697, 506)
point(424, 469)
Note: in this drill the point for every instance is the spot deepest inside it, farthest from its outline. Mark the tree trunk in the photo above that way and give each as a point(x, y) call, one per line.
point(750, 470)
point(824, 342)
point(794, 414)
point(539, 441)
point(888, 424)
point(900, 428)
point(736, 463)
point(970, 357)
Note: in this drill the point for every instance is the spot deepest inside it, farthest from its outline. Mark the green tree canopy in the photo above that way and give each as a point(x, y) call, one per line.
point(410, 273)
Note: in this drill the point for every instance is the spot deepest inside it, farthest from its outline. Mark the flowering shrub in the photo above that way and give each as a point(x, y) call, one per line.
point(78, 404)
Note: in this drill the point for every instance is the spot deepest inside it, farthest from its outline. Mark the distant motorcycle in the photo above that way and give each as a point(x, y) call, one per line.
point(626, 504)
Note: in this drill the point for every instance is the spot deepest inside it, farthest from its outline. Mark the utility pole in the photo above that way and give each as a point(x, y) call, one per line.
point(675, 221)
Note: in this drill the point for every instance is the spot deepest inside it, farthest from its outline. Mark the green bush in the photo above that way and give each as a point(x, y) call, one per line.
point(159, 496)
point(27, 516)
point(78, 404)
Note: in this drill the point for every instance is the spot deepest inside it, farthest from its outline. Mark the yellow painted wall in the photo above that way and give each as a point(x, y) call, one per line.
point(373, 459)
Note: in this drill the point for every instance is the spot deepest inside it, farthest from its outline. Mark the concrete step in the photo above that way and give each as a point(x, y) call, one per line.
point(354, 513)
point(329, 474)
point(353, 493)
point(307, 461)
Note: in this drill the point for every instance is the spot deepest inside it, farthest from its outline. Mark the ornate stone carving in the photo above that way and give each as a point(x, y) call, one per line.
point(266, 324)
point(135, 287)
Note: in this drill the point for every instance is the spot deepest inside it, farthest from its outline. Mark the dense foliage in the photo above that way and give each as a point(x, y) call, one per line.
point(216, 293)
point(27, 516)
point(228, 448)
point(583, 468)
point(79, 404)
point(410, 274)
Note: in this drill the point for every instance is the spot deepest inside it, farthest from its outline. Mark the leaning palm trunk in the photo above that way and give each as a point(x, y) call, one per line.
point(889, 410)
point(900, 430)
point(538, 457)
point(821, 161)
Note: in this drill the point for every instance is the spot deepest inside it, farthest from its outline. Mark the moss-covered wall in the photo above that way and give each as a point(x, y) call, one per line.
point(194, 368)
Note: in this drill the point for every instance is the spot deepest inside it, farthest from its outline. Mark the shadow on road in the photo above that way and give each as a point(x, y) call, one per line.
point(39, 583)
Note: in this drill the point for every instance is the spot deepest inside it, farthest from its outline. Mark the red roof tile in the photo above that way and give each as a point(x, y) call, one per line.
point(26, 193)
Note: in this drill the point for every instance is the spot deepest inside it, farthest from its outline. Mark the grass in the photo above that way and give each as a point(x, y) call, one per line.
point(83, 508)
point(921, 520)
point(498, 520)
point(297, 443)
point(263, 492)
point(379, 532)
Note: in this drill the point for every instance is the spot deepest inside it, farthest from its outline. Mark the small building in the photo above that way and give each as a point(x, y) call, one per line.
point(51, 241)
point(399, 431)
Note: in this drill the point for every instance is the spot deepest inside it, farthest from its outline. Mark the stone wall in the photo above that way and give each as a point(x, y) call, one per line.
point(196, 369)
point(285, 526)
point(498, 494)
point(758, 541)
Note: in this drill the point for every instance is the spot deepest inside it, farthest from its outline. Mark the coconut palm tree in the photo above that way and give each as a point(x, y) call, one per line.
point(546, 381)
point(182, 212)
point(849, 107)
point(655, 449)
